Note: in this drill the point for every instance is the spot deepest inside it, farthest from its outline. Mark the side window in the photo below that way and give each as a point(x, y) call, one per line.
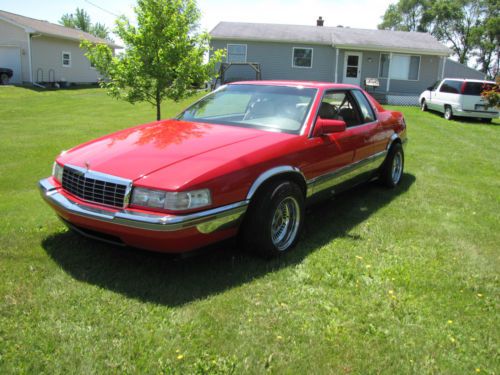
point(365, 107)
point(451, 87)
point(339, 105)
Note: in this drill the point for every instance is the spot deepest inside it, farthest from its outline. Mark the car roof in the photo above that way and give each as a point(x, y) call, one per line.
point(308, 84)
point(469, 80)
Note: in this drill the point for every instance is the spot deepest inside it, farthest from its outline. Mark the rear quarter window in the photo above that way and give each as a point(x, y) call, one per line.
point(451, 87)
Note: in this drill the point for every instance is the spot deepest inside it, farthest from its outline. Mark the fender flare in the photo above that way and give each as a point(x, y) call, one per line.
point(270, 173)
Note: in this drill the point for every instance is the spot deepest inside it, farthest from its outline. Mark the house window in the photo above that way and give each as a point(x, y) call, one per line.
point(302, 57)
point(403, 67)
point(66, 59)
point(236, 53)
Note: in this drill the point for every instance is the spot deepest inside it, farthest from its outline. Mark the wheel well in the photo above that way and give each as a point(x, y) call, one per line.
point(286, 176)
point(423, 100)
point(447, 106)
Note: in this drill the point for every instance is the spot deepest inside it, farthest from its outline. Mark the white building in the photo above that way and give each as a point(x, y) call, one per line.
point(40, 51)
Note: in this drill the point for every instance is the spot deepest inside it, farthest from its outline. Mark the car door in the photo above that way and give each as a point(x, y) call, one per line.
point(447, 94)
point(430, 95)
point(339, 158)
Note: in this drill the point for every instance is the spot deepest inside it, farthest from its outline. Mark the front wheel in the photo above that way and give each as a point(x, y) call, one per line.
point(423, 105)
point(392, 169)
point(275, 219)
point(448, 113)
point(4, 78)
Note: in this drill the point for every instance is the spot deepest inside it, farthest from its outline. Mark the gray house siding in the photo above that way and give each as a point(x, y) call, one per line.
point(276, 61)
point(454, 69)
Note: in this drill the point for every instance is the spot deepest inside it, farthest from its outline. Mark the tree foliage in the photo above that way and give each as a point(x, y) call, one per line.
point(81, 20)
point(163, 57)
point(470, 27)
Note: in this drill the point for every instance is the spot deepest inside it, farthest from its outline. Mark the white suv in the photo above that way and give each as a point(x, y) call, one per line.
point(458, 97)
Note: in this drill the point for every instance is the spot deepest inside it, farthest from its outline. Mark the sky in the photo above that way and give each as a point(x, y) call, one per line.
point(353, 13)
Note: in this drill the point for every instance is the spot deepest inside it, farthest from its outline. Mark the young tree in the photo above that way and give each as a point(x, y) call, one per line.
point(163, 57)
point(81, 20)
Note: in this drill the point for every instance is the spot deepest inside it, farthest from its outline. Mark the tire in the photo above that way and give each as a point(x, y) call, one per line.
point(486, 120)
point(4, 79)
point(275, 219)
point(423, 106)
point(448, 113)
point(392, 169)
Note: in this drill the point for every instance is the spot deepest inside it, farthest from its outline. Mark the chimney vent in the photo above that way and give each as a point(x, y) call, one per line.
point(320, 21)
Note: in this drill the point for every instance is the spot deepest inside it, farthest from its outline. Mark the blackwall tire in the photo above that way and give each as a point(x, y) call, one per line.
point(275, 219)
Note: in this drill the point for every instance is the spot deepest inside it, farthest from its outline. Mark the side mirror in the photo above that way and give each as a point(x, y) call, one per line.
point(327, 126)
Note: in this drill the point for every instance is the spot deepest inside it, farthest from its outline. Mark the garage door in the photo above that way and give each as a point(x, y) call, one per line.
point(10, 57)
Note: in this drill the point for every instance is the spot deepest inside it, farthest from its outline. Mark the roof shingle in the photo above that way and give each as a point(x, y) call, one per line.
point(52, 29)
point(336, 36)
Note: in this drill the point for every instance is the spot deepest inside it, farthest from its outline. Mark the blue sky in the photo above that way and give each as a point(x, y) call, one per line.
point(353, 13)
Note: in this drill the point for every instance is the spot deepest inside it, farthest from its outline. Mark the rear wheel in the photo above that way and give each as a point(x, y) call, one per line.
point(392, 169)
point(4, 78)
point(448, 113)
point(423, 105)
point(275, 219)
point(486, 120)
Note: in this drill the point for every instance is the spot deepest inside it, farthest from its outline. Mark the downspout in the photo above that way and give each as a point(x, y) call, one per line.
point(336, 64)
point(29, 57)
point(389, 74)
point(444, 64)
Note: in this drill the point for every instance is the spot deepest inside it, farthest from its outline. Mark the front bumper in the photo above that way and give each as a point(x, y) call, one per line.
point(159, 232)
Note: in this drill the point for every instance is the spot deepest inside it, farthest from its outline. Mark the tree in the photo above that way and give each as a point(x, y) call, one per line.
point(163, 57)
point(470, 27)
point(81, 20)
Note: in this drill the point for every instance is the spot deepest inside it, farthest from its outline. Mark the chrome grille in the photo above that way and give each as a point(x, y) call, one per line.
point(93, 189)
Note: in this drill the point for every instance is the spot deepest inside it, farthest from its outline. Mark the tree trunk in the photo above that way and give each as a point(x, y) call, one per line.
point(158, 104)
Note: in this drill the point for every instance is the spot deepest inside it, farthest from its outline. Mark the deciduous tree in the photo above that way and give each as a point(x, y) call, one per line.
point(164, 54)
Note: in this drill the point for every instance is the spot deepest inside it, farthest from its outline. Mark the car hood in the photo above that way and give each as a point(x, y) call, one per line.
point(136, 152)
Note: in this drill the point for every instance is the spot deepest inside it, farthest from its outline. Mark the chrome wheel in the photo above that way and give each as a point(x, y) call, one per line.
point(285, 223)
point(448, 114)
point(4, 79)
point(397, 167)
point(423, 107)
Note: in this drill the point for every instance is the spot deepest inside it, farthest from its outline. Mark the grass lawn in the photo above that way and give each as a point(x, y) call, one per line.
point(402, 281)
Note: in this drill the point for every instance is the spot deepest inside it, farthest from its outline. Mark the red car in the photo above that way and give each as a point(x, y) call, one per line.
point(246, 158)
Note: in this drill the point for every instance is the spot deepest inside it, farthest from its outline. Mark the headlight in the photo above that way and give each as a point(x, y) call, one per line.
point(170, 200)
point(57, 172)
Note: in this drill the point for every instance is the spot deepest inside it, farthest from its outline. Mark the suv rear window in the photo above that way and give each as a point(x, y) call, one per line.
point(475, 88)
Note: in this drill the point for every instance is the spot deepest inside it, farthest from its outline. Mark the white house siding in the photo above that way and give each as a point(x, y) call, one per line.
point(276, 61)
point(47, 56)
point(12, 36)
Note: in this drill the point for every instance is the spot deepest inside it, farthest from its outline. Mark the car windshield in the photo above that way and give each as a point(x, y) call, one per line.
point(277, 108)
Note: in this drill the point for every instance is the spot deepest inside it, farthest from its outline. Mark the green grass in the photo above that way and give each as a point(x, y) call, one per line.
point(402, 281)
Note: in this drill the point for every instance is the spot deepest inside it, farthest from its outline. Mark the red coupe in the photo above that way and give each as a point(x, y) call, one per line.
point(246, 158)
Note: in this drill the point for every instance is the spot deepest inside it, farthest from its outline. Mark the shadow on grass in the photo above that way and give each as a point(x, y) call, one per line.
point(468, 120)
point(49, 87)
point(174, 281)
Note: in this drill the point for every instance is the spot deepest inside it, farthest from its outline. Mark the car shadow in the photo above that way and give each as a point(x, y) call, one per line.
point(176, 280)
point(467, 120)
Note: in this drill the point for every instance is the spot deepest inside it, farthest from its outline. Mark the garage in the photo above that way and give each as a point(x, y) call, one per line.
point(10, 57)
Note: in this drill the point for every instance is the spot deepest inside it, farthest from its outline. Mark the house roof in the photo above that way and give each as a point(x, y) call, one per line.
point(33, 25)
point(380, 40)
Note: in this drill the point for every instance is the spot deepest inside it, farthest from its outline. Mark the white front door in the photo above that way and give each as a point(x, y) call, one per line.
point(352, 67)
point(10, 57)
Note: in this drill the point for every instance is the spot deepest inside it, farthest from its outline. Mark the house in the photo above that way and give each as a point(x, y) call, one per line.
point(403, 63)
point(40, 51)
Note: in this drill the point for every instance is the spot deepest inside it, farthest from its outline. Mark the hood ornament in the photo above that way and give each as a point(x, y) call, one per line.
point(87, 165)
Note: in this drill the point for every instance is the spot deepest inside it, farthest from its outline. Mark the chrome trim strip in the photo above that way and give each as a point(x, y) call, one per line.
point(205, 221)
point(271, 173)
point(99, 176)
point(330, 179)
